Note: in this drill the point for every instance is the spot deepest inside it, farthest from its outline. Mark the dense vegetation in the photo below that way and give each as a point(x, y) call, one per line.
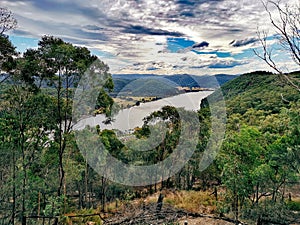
point(259, 159)
point(43, 173)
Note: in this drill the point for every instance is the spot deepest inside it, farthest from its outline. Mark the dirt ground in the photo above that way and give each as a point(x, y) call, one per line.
point(203, 221)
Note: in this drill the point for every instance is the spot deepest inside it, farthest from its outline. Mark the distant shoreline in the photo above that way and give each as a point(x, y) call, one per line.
point(126, 102)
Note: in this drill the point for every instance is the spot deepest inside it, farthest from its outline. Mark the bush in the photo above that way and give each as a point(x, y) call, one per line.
point(293, 205)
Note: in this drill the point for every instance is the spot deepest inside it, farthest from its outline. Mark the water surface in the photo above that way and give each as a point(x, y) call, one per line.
point(130, 118)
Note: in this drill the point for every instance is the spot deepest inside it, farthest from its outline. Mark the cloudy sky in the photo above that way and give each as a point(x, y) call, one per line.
point(152, 36)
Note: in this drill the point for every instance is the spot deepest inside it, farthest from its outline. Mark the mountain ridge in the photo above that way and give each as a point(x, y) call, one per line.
point(164, 85)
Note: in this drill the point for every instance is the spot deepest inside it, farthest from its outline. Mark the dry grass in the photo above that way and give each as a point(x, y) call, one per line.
point(193, 201)
point(203, 221)
point(129, 101)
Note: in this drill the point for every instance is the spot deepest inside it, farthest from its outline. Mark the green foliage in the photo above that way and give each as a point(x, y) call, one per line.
point(293, 205)
point(42, 163)
point(104, 103)
point(260, 91)
point(54, 206)
point(260, 154)
point(112, 143)
point(7, 53)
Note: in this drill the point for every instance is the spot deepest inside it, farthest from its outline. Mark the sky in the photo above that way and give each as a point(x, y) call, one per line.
point(197, 37)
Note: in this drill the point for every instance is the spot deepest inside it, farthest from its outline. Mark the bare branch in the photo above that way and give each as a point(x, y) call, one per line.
point(7, 20)
point(267, 53)
point(287, 30)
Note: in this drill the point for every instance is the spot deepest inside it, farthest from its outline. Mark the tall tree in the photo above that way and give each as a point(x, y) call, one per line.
point(240, 156)
point(60, 65)
point(27, 132)
point(7, 55)
point(67, 64)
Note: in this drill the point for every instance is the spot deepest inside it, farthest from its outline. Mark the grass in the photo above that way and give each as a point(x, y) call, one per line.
point(78, 218)
point(294, 205)
point(193, 201)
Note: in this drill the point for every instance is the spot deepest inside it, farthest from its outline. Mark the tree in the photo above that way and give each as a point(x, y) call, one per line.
point(7, 21)
point(7, 50)
point(26, 130)
point(240, 156)
point(60, 66)
point(7, 54)
point(286, 22)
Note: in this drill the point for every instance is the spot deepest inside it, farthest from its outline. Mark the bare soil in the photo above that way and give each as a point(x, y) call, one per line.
point(204, 221)
point(150, 214)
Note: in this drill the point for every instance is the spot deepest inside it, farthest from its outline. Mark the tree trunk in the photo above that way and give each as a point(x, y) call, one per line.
point(159, 203)
point(86, 185)
point(14, 189)
point(103, 197)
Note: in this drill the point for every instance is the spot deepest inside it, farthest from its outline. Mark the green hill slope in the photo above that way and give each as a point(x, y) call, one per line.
point(163, 85)
point(159, 87)
point(258, 162)
point(259, 91)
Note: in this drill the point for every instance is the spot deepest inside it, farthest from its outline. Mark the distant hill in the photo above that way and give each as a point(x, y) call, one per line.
point(163, 85)
point(157, 86)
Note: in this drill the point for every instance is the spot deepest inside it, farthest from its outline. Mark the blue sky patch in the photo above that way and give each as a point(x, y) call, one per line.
point(23, 43)
point(246, 54)
point(101, 54)
point(177, 44)
point(217, 53)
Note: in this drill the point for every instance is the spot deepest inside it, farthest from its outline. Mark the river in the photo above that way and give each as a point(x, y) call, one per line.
point(130, 118)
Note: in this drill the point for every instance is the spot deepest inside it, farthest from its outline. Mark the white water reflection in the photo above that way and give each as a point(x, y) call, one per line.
point(130, 118)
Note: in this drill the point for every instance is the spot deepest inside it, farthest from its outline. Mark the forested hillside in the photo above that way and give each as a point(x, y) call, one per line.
point(163, 85)
point(259, 160)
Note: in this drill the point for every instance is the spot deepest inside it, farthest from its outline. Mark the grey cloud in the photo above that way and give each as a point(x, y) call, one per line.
point(183, 12)
point(197, 46)
point(116, 22)
point(67, 31)
point(90, 35)
point(187, 14)
point(67, 7)
point(137, 29)
point(239, 43)
point(203, 44)
point(93, 27)
point(187, 2)
point(216, 14)
point(22, 33)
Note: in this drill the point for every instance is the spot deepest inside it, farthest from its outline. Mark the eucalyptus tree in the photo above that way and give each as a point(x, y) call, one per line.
point(26, 131)
point(58, 66)
point(241, 154)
